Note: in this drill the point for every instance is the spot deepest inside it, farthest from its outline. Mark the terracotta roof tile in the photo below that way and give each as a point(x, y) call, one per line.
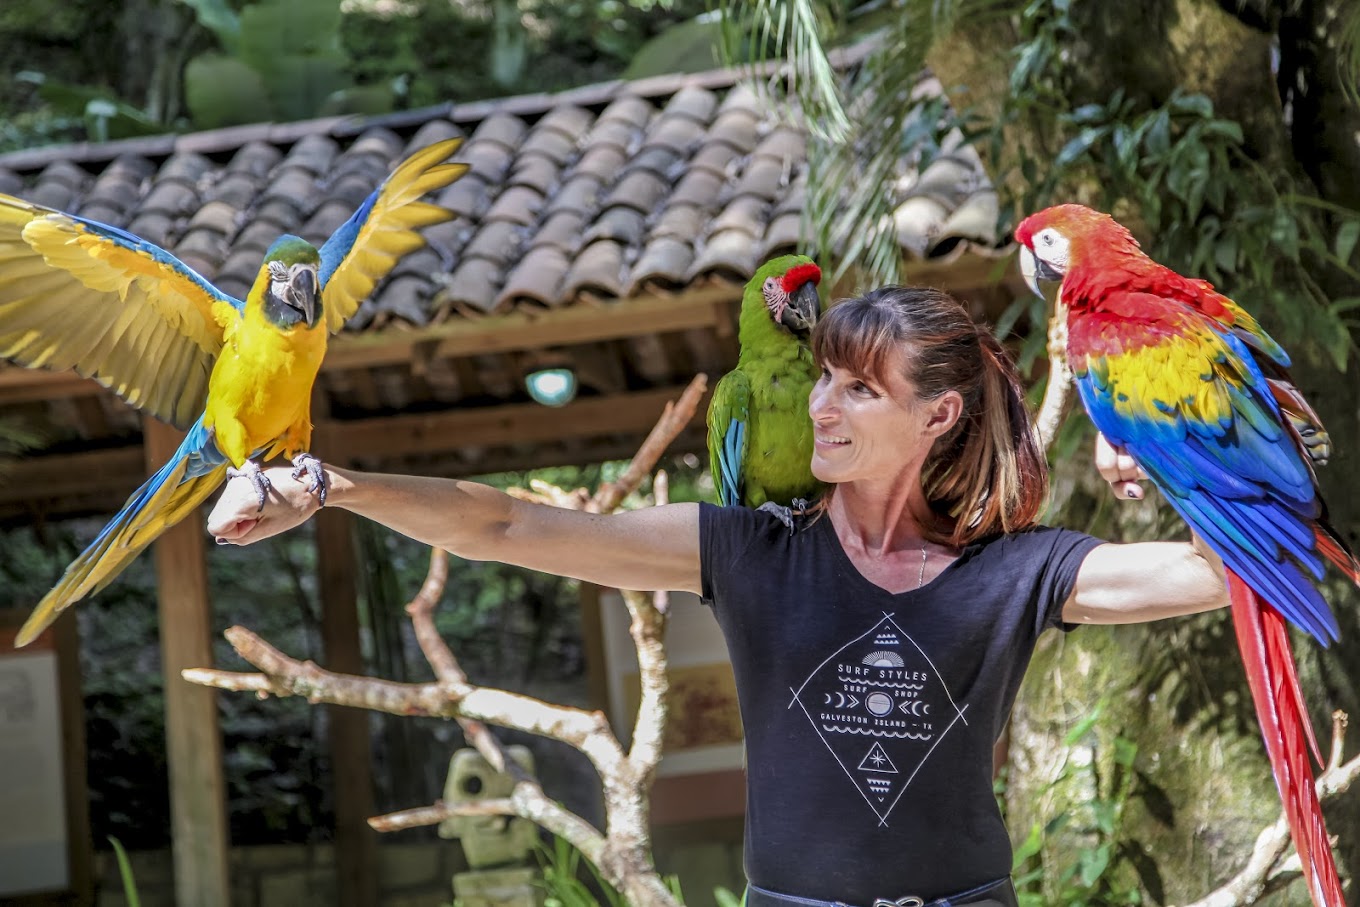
point(498, 240)
point(256, 159)
point(432, 131)
point(103, 212)
point(171, 198)
point(468, 197)
point(697, 104)
point(730, 253)
point(620, 223)
point(598, 268)
point(765, 177)
point(745, 212)
point(620, 133)
point(563, 230)
point(664, 263)
point(153, 226)
point(699, 189)
point(579, 193)
point(681, 221)
point(473, 286)
point(716, 157)
point(556, 146)
point(517, 204)
point(615, 188)
point(678, 133)
point(568, 119)
point(640, 189)
point(782, 236)
point(537, 278)
point(738, 128)
point(537, 173)
point(489, 161)
point(501, 128)
point(602, 162)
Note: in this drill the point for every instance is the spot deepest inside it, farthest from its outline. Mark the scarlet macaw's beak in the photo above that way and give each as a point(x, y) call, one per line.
point(1039, 273)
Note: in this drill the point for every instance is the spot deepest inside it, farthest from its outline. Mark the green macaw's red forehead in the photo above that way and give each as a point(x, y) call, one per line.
point(798, 275)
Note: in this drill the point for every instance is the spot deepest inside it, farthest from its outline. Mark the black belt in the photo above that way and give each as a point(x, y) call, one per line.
point(994, 894)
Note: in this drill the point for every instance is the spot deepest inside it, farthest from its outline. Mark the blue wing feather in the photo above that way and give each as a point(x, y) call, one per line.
point(729, 459)
point(1240, 481)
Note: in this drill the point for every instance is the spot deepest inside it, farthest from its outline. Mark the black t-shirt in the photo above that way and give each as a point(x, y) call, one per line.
point(870, 718)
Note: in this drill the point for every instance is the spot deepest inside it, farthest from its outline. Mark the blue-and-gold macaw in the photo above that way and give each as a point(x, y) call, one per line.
point(1199, 394)
point(237, 374)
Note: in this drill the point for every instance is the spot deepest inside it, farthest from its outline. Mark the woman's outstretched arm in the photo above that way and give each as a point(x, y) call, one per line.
point(648, 549)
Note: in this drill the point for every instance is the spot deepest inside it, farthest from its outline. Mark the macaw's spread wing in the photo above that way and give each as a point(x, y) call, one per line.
point(78, 294)
point(368, 245)
point(1192, 406)
point(729, 415)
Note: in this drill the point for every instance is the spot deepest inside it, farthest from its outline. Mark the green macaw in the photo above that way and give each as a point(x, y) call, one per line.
point(759, 433)
point(237, 374)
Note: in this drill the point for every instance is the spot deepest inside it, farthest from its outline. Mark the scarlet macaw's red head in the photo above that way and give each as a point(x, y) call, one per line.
point(1059, 240)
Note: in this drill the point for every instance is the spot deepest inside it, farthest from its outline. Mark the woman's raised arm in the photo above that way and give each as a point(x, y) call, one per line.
point(653, 548)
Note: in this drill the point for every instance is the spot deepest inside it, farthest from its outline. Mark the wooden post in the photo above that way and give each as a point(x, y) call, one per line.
point(356, 851)
point(193, 742)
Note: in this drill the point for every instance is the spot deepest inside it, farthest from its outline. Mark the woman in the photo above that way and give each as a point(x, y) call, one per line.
point(878, 648)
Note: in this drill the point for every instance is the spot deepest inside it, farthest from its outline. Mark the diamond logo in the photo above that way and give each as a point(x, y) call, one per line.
point(881, 708)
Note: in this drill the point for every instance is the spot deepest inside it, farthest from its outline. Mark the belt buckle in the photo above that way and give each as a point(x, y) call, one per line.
point(909, 901)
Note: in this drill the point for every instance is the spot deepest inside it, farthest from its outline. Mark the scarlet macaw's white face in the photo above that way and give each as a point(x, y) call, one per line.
point(866, 430)
point(1046, 262)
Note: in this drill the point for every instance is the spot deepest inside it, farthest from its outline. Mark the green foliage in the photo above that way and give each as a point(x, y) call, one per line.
point(125, 873)
point(1081, 857)
point(1187, 184)
point(565, 884)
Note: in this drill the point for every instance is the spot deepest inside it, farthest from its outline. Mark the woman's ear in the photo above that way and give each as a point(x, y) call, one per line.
point(944, 412)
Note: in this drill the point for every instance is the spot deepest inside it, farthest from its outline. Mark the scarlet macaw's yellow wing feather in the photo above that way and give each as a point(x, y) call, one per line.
point(78, 294)
point(367, 246)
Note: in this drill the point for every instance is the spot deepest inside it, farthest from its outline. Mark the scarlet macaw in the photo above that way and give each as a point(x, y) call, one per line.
point(1198, 394)
point(237, 374)
point(759, 433)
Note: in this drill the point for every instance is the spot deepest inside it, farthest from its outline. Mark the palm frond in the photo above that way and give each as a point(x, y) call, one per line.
point(1348, 50)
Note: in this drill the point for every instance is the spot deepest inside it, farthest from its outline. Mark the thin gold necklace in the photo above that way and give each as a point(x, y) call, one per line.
point(922, 580)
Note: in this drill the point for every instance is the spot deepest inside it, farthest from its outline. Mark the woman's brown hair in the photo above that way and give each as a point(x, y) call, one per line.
point(987, 474)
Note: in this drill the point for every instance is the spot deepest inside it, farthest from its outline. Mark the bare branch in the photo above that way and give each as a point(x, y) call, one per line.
point(673, 420)
point(1266, 869)
point(648, 629)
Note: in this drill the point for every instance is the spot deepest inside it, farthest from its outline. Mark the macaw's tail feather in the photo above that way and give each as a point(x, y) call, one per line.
point(1333, 548)
point(1264, 641)
point(165, 499)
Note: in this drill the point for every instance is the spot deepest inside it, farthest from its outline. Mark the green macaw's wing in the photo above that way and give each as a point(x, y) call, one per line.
point(368, 245)
point(82, 295)
point(729, 414)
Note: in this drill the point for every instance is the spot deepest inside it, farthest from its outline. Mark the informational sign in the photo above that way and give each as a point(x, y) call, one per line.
point(703, 733)
point(34, 851)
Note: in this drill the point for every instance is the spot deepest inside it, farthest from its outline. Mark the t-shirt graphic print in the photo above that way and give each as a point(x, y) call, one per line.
point(881, 708)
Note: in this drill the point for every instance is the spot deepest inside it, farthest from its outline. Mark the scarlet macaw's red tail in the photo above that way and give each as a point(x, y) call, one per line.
point(1263, 639)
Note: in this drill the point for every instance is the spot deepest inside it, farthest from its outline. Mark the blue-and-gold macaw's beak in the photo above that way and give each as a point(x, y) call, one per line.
point(1039, 274)
point(302, 295)
point(800, 315)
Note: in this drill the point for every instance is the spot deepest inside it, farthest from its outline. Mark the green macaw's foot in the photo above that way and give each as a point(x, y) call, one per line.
point(251, 470)
point(784, 514)
point(799, 505)
point(310, 466)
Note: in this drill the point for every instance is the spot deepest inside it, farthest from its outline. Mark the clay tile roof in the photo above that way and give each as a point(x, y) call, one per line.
point(606, 191)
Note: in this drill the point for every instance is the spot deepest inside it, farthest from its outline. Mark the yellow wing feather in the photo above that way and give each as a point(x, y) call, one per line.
point(389, 230)
point(130, 316)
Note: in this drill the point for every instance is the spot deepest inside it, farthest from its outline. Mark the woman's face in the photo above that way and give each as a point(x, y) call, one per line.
point(865, 429)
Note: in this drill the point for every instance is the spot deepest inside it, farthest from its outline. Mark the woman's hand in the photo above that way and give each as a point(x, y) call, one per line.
point(1119, 469)
point(237, 518)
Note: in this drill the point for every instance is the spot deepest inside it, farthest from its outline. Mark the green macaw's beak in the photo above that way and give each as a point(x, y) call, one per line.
point(800, 315)
point(302, 295)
